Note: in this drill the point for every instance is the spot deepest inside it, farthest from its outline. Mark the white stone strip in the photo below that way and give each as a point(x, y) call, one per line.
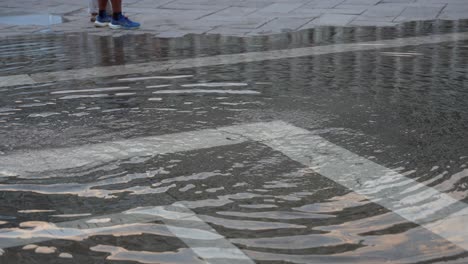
point(178, 219)
point(52, 160)
point(317, 50)
point(140, 68)
point(421, 204)
point(156, 77)
point(425, 206)
point(206, 91)
point(107, 89)
point(12, 80)
point(37, 161)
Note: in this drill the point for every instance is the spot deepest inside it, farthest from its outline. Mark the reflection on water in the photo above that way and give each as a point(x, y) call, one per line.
point(182, 255)
point(323, 224)
point(255, 198)
point(44, 53)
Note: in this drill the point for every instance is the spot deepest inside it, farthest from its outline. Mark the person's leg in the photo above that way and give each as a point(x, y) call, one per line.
point(119, 21)
point(102, 7)
point(93, 9)
point(102, 19)
point(116, 6)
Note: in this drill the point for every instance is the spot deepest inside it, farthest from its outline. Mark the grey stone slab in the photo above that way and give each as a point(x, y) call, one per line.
point(285, 15)
point(194, 24)
point(384, 10)
point(434, 5)
point(419, 13)
point(280, 8)
point(248, 24)
point(15, 80)
point(338, 10)
point(177, 34)
point(377, 19)
point(453, 15)
point(5, 26)
point(184, 6)
point(440, 1)
point(254, 4)
point(206, 3)
point(398, 1)
point(280, 25)
point(311, 11)
point(456, 7)
point(367, 23)
point(348, 9)
point(239, 17)
point(229, 31)
point(331, 20)
point(324, 4)
point(11, 11)
point(171, 13)
point(65, 9)
point(236, 11)
point(149, 3)
point(361, 2)
point(28, 28)
point(238, 21)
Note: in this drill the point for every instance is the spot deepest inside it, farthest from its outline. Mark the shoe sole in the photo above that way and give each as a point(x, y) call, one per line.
point(120, 27)
point(101, 24)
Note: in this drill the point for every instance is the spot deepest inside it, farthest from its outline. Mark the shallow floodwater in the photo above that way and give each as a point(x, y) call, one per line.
point(134, 190)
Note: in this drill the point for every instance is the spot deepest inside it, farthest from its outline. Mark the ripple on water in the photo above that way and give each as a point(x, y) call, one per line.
point(207, 91)
point(45, 231)
point(183, 255)
point(65, 255)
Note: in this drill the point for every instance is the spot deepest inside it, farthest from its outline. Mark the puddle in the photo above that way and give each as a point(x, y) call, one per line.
point(36, 19)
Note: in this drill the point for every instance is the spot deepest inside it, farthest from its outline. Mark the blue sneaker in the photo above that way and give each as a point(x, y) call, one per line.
point(123, 23)
point(102, 21)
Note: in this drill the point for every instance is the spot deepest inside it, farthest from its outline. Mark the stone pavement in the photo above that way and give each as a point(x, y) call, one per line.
point(173, 18)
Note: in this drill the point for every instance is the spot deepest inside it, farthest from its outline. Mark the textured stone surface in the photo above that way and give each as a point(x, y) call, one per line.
point(167, 18)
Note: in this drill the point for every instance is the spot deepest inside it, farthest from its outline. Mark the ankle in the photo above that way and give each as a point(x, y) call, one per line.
point(102, 13)
point(116, 15)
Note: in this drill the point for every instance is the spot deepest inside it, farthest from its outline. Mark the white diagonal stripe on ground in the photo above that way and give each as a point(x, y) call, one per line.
point(180, 221)
point(379, 184)
point(29, 162)
point(147, 67)
point(422, 205)
point(12, 80)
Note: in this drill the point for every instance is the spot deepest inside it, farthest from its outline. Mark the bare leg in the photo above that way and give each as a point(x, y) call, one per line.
point(102, 5)
point(116, 5)
point(102, 20)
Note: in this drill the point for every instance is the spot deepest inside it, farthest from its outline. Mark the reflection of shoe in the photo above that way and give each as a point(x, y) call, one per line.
point(93, 17)
point(102, 21)
point(123, 23)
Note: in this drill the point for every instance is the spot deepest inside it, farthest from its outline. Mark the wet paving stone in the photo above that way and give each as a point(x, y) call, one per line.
point(201, 164)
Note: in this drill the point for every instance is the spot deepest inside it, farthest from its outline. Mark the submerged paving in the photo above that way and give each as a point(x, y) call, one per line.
point(176, 18)
point(113, 168)
point(330, 145)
